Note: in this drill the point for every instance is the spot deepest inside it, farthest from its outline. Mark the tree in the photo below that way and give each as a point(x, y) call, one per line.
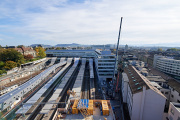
point(12, 55)
point(1, 64)
point(173, 49)
point(28, 57)
point(58, 48)
point(10, 64)
point(2, 71)
point(40, 52)
point(160, 49)
point(1, 50)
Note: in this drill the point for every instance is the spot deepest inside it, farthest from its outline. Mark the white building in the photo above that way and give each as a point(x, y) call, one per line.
point(103, 47)
point(167, 65)
point(144, 102)
point(174, 111)
point(71, 53)
point(105, 62)
point(174, 87)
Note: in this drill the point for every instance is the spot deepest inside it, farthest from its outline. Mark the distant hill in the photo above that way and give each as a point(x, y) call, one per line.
point(45, 46)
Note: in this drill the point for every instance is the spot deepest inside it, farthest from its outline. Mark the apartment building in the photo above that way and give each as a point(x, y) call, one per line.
point(26, 51)
point(174, 111)
point(144, 101)
point(167, 65)
point(174, 87)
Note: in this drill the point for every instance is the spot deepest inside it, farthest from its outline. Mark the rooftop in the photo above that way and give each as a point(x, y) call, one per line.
point(174, 84)
point(137, 81)
point(70, 50)
point(176, 105)
point(155, 78)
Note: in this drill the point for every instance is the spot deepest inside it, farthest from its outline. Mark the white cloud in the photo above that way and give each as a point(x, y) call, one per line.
point(97, 21)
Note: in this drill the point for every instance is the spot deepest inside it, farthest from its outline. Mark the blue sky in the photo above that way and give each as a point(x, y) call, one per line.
point(89, 22)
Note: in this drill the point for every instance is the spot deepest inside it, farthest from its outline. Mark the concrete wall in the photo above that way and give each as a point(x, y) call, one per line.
point(137, 100)
point(173, 113)
point(153, 106)
point(146, 106)
point(175, 96)
point(124, 87)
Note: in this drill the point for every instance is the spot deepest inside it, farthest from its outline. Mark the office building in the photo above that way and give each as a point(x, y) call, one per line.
point(104, 60)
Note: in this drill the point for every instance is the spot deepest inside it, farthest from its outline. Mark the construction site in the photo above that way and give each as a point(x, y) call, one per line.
point(68, 89)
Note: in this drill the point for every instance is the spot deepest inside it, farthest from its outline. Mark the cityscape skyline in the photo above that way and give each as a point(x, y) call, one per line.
point(89, 22)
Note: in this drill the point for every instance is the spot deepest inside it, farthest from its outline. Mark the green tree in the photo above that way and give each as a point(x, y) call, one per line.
point(40, 52)
point(12, 55)
point(1, 64)
point(10, 64)
point(58, 48)
point(2, 71)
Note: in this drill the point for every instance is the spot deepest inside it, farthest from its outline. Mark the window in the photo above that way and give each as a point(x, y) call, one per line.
point(172, 96)
point(162, 92)
point(166, 92)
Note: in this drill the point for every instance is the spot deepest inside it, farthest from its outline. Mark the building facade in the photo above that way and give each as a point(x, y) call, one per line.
point(174, 111)
point(71, 53)
point(167, 65)
point(105, 63)
point(144, 102)
point(104, 60)
point(26, 51)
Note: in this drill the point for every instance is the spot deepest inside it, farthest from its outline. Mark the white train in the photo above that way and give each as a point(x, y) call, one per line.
point(38, 61)
point(11, 97)
point(8, 89)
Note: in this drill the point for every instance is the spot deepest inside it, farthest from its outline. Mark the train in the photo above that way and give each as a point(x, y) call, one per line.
point(8, 99)
point(8, 89)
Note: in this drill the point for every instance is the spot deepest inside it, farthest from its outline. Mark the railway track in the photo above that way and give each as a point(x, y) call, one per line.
point(19, 116)
point(62, 98)
point(11, 113)
point(62, 95)
point(34, 113)
point(86, 83)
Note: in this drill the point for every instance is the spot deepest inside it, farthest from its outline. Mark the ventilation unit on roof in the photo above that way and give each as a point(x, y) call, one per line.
point(132, 77)
point(139, 88)
point(136, 83)
point(134, 80)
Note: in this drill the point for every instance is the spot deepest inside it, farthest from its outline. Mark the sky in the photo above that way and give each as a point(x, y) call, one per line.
point(145, 22)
